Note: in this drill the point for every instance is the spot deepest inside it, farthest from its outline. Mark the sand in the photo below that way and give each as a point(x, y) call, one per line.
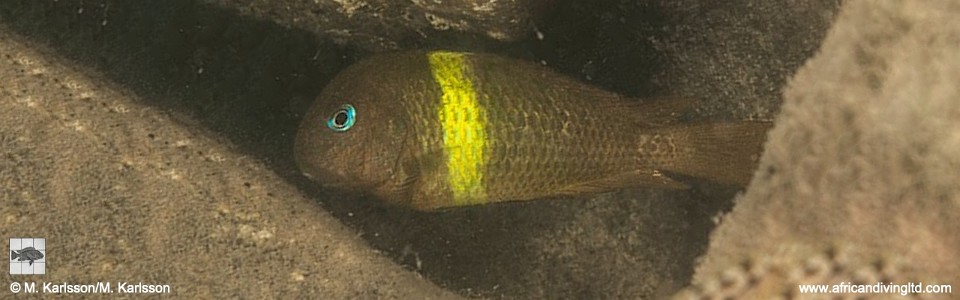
point(123, 192)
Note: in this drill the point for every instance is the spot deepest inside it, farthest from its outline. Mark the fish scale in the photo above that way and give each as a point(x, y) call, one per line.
point(539, 168)
point(468, 129)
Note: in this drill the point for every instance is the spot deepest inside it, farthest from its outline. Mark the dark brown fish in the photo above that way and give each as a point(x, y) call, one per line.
point(29, 253)
point(441, 129)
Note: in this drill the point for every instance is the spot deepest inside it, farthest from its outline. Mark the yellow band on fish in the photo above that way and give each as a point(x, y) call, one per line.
point(463, 119)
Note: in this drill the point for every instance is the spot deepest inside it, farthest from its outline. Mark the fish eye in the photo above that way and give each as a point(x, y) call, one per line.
point(343, 118)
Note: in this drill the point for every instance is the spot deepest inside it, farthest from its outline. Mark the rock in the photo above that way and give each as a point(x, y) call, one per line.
point(389, 25)
point(859, 182)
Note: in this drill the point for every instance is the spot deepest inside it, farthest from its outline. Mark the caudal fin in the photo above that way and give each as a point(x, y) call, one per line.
point(722, 152)
point(13, 255)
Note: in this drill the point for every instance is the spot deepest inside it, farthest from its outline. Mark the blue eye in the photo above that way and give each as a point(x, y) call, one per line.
point(343, 119)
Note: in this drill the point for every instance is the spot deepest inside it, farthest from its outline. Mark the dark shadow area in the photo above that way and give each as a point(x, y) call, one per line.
point(606, 43)
point(551, 248)
point(242, 78)
point(249, 80)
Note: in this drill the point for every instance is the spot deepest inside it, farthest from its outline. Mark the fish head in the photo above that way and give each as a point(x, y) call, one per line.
point(354, 137)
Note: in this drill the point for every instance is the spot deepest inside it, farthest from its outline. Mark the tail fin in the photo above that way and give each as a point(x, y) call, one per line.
point(13, 255)
point(722, 152)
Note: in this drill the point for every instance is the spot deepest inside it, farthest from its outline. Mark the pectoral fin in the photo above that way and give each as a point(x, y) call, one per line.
point(409, 174)
point(409, 178)
point(423, 182)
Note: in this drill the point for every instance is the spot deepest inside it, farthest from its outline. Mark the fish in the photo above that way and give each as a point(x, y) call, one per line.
point(29, 253)
point(432, 130)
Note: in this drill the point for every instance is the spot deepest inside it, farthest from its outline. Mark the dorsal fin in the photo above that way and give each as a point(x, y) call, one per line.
point(655, 112)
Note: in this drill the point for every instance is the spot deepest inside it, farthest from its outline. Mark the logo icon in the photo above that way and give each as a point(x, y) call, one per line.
point(27, 256)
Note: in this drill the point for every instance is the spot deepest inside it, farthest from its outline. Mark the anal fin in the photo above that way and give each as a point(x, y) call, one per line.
point(639, 178)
